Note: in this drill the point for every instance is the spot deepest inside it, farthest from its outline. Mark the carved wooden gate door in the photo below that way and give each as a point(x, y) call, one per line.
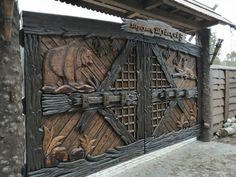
point(96, 97)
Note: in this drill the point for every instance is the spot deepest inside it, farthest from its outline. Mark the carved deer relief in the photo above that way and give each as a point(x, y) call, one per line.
point(183, 71)
point(62, 68)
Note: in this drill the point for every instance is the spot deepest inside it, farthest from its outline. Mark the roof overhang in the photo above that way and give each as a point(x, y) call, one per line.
point(188, 16)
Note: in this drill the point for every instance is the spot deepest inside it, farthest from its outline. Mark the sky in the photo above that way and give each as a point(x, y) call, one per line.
point(225, 7)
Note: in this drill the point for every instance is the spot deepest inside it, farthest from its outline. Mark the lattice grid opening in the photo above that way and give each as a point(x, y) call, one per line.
point(127, 79)
point(158, 110)
point(157, 75)
point(127, 115)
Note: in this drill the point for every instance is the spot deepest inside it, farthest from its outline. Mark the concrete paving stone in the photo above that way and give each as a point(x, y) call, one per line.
point(197, 159)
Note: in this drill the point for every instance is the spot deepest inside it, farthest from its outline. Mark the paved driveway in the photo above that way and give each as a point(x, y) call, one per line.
point(196, 159)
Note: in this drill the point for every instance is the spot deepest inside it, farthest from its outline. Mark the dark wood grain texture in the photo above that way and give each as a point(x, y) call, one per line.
point(93, 164)
point(120, 108)
point(164, 67)
point(171, 138)
point(205, 87)
point(59, 103)
point(117, 126)
point(33, 84)
point(146, 64)
point(140, 89)
point(73, 26)
point(116, 67)
point(85, 120)
point(166, 116)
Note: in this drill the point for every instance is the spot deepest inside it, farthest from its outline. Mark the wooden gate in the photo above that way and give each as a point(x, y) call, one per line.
point(97, 95)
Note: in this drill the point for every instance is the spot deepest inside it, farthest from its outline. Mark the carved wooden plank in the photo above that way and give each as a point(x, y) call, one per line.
point(33, 84)
point(171, 93)
point(140, 90)
point(147, 65)
point(71, 26)
point(93, 163)
point(59, 103)
point(117, 126)
point(153, 28)
point(116, 67)
point(162, 141)
point(164, 67)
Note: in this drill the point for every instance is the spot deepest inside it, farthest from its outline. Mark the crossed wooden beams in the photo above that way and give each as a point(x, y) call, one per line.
point(103, 99)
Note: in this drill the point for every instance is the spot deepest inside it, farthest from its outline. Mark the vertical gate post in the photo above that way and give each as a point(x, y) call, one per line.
point(11, 118)
point(205, 107)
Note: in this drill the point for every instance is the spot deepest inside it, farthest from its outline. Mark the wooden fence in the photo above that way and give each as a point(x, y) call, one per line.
point(223, 94)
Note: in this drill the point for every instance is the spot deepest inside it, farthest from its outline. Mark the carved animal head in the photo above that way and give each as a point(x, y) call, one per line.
point(86, 56)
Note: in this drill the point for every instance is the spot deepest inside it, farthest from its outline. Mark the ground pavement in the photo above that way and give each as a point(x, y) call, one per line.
point(197, 159)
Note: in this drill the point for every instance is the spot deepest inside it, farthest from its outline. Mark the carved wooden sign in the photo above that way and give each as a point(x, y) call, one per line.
point(153, 28)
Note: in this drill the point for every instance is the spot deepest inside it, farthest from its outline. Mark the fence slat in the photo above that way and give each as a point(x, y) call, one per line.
point(226, 111)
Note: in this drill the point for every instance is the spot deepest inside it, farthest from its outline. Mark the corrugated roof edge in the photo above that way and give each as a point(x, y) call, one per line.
point(203, 9)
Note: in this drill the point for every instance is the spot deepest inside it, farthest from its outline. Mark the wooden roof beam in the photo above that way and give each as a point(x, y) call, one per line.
point(208, 24)
point(176, 20)
point(132, 6)
point(132, 15)
point(151, 4)
point(186, 9)
point(105, 5)
point(173, 11)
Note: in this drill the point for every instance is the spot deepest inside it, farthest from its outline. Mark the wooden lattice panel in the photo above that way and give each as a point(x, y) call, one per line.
point(127, 115)
point(127, 79)
point(158, 110)
point(157, 75)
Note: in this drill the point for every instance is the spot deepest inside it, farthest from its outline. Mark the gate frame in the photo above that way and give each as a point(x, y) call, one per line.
point(33, 79)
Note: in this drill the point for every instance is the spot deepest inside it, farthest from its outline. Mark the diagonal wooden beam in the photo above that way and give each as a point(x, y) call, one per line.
point(117, 126)
point(164, 67)
point(117, 66)
point(164, 118)
point(85, 120)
